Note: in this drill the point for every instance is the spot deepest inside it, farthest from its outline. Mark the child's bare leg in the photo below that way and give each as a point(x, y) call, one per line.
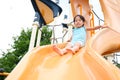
point(69, 45)
point(61, 51)
point(58, 50)
point(75, 48)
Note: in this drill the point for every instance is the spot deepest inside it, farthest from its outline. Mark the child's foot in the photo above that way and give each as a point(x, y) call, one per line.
point(70, 50)
point(56, 49)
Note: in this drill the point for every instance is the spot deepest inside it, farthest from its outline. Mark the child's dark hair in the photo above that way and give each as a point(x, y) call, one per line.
point(81, 17)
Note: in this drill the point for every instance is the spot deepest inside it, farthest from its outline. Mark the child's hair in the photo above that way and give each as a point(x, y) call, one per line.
point(81, 17)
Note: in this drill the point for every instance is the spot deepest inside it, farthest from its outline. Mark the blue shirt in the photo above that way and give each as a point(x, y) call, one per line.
point(79, 34)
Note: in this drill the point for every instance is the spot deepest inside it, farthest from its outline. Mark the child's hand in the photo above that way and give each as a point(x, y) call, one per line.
point(68, 40)
point(104, 26)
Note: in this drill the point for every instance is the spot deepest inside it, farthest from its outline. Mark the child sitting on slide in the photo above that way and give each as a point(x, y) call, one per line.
point(78, 38)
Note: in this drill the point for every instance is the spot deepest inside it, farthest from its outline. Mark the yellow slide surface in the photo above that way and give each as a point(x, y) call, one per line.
point(43, 63)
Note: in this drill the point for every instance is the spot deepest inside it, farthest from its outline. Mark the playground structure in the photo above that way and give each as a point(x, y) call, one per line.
point(42, 63)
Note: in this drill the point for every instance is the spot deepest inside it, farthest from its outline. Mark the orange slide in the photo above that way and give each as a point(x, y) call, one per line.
point(42, 63)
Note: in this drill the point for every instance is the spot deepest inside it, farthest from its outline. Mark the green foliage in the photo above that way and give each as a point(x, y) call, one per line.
point(20, 46)
point(118, 65)
point(46, 34)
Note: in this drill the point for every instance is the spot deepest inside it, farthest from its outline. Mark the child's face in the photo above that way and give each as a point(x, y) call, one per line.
point(78, 22)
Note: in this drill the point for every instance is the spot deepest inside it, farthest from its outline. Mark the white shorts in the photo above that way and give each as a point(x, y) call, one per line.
point(81, 43)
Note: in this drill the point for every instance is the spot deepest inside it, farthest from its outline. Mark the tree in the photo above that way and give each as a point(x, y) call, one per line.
point(118, 65)
point(20, 46)
point(46, 34)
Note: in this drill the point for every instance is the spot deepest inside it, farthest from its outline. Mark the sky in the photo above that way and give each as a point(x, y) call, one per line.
point(16, 15)
point(19, 14)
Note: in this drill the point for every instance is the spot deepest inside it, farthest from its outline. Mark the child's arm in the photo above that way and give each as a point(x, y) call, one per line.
point(104, 26)
point(96, 27)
